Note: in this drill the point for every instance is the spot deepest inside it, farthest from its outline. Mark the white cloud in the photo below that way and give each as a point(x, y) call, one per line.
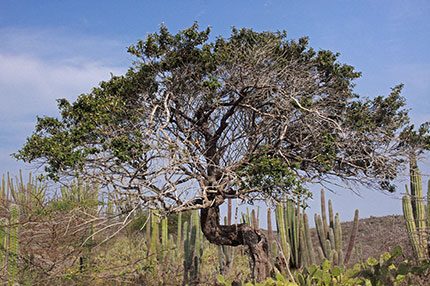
point(31, 85)
point(31, 80)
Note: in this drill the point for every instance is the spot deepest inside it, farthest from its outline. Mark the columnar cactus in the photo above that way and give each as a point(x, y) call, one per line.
point(331, 241)
point(352, 238)
point(193, 250)
point(155, 235)
point(290, 225)
point(4, 222)
point(13, 245)
point(295, 237)
point(270, 234)
point(179, 232)
point(414, 211)
point(308, 239)
point(164, 233)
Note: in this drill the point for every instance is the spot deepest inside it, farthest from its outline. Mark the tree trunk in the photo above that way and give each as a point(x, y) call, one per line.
point(238, 234)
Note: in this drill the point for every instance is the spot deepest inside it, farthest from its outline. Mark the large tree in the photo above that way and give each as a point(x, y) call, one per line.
point(196, 121)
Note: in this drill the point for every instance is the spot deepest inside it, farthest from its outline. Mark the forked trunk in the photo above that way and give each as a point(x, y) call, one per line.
point(238, 234)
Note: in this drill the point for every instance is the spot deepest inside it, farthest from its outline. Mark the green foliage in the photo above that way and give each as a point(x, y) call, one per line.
point(373, 272)
point(385, 272)
point(272, 176)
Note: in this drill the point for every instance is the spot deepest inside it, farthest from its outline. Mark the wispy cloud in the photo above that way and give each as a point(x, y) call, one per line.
point(61, 45)
point(31, 79)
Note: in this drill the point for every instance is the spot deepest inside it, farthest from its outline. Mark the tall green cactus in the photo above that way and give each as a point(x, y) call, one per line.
point(352, 238)
point(412, 230)
point(414, 211)
point(331, 247)
point(308, 239)
point(295, 237)
point(13, 245)
point(193, 250)
point(155, 234)
point(4, 222)
point(179, 233)
point(270, 235)
point(164, 233)
point(291, 230)
point(27, 195)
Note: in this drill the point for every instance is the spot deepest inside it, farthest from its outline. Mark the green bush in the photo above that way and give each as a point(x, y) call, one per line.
point(373, 272)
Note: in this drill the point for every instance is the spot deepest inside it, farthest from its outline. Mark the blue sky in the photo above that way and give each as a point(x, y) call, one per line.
point(55, 49)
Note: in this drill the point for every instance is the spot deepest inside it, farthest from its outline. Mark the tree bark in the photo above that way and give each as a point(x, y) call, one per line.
point(238, 234)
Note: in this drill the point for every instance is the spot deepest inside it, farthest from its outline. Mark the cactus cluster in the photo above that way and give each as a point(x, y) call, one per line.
point(28, 195)
point(251, 218)
point(417, 213)
point(296, 248)
point(290, 223)
point(330, 234)
point(193, 250)
point(9, 245)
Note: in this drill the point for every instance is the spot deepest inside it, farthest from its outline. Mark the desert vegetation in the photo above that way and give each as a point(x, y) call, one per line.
point(146, 159)
point(80, 236)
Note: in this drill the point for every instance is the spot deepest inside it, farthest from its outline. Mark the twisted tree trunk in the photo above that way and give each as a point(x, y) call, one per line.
point(238, 234)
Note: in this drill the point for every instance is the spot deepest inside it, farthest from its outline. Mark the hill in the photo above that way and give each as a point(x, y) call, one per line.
point(377, 235)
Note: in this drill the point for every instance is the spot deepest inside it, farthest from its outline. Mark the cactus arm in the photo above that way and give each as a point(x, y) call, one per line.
point(254, 222)
point(331, 238)
point(179, 232)
point(3, 244)
point(330, 213)
point(338, 238)
point(293, 232)
point(321, 255)
point(418, 204)
point(280, 221)
point(13, 245)
point(303, 254)
point(352, 238)
point(324, 215)
point(155, 233)
point(221, 258)
point(411, 227)
point(270, 234)
point(428, 204)
point(309, 245)
point(187, 259)
point(3, 189)
point(164, 233)
point(329, 251)
point(320, 232)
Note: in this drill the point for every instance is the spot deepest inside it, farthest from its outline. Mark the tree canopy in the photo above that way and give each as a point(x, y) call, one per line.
point(256, 113)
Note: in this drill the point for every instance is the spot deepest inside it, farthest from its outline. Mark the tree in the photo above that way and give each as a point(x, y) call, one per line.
point(194, 122)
